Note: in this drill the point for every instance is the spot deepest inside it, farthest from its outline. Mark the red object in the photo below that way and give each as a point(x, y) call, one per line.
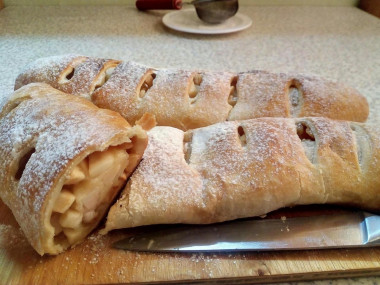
point(158, 4)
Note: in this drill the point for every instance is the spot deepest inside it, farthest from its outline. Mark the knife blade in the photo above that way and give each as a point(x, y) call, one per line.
point(342, 230)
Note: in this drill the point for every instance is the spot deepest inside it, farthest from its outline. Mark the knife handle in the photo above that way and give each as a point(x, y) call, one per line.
point(158, 4)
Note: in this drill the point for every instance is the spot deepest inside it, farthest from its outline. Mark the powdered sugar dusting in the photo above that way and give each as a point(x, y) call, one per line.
point(223, 180)
point(58, 127)
point(260, 93)
point(251, 176)
point(264, 94)
point(167, 98)
point(233, 179)
point(11, 237)
point(119, 93)
point(157, 181)
point(46, 69)
point(84, 77)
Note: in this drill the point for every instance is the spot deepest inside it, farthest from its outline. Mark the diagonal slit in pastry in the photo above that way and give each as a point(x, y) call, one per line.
point(146, 84)
point(233, 96)
point(187, 147)
point(22, 163)
point(242, 136)
point(307, 136)
point(64, 160)
point(68, 73)
point(194, 87)
point(104, 74)
point(295, 95)
point(363, 145)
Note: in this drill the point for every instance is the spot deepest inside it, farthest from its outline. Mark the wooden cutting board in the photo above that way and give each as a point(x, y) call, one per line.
point(95, 262)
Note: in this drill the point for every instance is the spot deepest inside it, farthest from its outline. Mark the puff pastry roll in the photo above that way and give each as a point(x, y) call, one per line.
point(248, 168)
point(192, 99)
point(63, 161)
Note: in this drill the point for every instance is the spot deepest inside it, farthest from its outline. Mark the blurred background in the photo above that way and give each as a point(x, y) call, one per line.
point(371, 6)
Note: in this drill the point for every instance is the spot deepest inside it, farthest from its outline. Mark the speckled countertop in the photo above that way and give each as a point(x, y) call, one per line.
point(339, 43)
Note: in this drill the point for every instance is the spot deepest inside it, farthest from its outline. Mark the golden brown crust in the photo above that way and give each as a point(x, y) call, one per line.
point(154, 179)
point(248, 168)
point(264, 94)
point(169, 97)
point(147, 121)
point(192, 99)
point(79, 75)
point(337, 101)
point(44, 133)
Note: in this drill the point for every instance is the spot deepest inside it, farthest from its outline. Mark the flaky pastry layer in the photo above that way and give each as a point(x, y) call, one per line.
point(192, 99)
point(64, 160)
point(248, 168)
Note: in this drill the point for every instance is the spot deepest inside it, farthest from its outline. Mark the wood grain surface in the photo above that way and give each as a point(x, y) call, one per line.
point(95, 262)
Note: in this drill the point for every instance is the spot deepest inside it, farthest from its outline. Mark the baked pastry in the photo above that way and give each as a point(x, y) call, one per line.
point(63, 161)
point(248, 168)
point(69, 73)
point(192, 99)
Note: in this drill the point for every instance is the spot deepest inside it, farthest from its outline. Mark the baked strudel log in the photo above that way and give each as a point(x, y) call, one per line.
point(192, 99)
point(248, 168)
point(63, 161)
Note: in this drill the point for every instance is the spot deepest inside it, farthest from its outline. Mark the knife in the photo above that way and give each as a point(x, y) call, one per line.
point(341, 230)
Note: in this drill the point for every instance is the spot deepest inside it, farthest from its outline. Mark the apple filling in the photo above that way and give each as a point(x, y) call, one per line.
point(88, 191)
point(194, 87)
point(147, 84)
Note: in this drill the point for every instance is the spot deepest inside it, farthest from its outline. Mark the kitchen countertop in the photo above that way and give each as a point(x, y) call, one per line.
point(338, 43)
